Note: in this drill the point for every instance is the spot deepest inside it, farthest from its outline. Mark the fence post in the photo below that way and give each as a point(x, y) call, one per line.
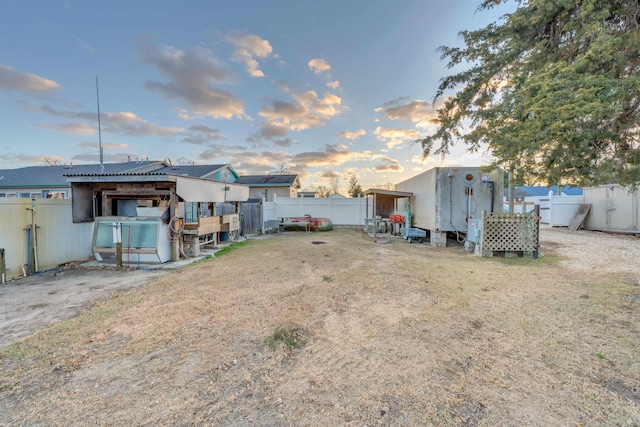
point(536, 249)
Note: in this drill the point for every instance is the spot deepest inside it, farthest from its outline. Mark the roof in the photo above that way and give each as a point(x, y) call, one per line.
point(544, 191)
point(395, 194)
point(195, 171)
point(518, 193)
point(54, 176)
point(336, 196)
point(267, 180)
point(189, 188)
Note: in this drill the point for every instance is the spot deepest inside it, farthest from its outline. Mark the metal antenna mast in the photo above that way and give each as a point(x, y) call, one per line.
point(99, 132)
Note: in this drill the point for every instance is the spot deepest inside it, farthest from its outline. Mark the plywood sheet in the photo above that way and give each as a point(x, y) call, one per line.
point(579, 217)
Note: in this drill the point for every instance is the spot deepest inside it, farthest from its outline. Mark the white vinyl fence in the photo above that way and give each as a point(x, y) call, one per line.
point(558, 211)
point(347, 211)
point(59, 240)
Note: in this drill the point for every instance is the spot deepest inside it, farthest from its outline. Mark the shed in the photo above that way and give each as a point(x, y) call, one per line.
point(106, 195)
point(385, 202)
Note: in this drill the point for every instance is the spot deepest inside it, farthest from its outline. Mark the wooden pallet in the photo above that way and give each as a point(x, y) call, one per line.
point(577, 220)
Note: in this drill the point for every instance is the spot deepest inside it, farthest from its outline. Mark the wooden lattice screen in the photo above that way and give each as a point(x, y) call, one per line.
point(504, 232)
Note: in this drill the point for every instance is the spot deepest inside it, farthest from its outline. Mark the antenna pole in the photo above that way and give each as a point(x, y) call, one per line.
point(99, 132)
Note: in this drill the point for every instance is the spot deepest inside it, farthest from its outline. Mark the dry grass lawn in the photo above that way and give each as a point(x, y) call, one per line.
point(387, 334)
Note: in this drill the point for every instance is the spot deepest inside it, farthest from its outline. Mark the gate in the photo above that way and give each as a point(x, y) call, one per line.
point(250, 218)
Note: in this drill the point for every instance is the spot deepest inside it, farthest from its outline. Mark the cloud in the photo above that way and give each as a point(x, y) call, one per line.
point(257, 162)
point(335, 85)
point(394, 137)
point(329, 174)
point(191, 75)
point(128, 123)
point(306, 112)
point(331, 156)
point(414, 111)
point(109, 157)
point(248, 48)
point(26, 159)
point(105, 145)
point(185, 115)
point(121, 122)
point(285, 142)
point(352, 135)
point(391, 165)
point(244, 161)
point(75, 128)
point(11, 79)
point(202, 134)
point(86, 45)
point(319, 66)
point(283, 86)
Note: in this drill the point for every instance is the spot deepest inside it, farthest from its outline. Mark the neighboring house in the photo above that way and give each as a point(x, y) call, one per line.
point(33, 182)
point(219, 173)
point(518, 194)
point(522, 192)
point(544, 191)
point(336, 196)
point(267, 186)
point(51, 181)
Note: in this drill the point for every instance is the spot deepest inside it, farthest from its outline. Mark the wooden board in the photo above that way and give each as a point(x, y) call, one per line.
point(583, 210)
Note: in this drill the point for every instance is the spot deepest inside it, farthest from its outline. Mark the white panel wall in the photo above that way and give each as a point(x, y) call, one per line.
point(613, 208)
point(562, 209)
point(349, 211)
point(59, 239)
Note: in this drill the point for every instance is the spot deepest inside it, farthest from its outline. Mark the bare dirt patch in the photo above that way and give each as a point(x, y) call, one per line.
point(33, 303)
point(393, 334)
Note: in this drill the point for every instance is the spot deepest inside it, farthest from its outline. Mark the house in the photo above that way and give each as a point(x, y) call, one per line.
point(269, 186)
point(51, 181)
point(541, 191)
point(34, 182)
point(218, 173)
point(336, 196)
point(518, 194)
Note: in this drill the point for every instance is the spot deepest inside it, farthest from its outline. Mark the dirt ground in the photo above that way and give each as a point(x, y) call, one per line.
point(387, 334)
point(33, 303)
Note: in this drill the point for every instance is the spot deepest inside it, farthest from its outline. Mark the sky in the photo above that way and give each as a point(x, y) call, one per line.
point(324, 89)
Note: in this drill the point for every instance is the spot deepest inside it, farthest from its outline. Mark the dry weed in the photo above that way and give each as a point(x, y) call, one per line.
point(396, 334)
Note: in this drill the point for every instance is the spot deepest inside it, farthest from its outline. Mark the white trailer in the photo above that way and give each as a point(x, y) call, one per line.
point(613, 208)
point(446, 198)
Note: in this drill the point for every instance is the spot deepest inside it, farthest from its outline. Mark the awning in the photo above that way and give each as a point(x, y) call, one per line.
point(396, 194)
point(202, 190)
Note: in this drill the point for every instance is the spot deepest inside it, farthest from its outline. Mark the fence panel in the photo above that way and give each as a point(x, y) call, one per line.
point(59, 240)
point(503, 232)
point(348, 211)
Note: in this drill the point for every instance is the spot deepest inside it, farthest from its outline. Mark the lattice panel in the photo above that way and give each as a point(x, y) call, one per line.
point(510, 232)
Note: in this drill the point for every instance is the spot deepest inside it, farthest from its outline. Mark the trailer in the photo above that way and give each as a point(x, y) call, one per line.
point(446, 198)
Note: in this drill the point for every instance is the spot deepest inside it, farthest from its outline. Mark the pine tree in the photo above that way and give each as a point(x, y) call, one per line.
point(553, 90)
